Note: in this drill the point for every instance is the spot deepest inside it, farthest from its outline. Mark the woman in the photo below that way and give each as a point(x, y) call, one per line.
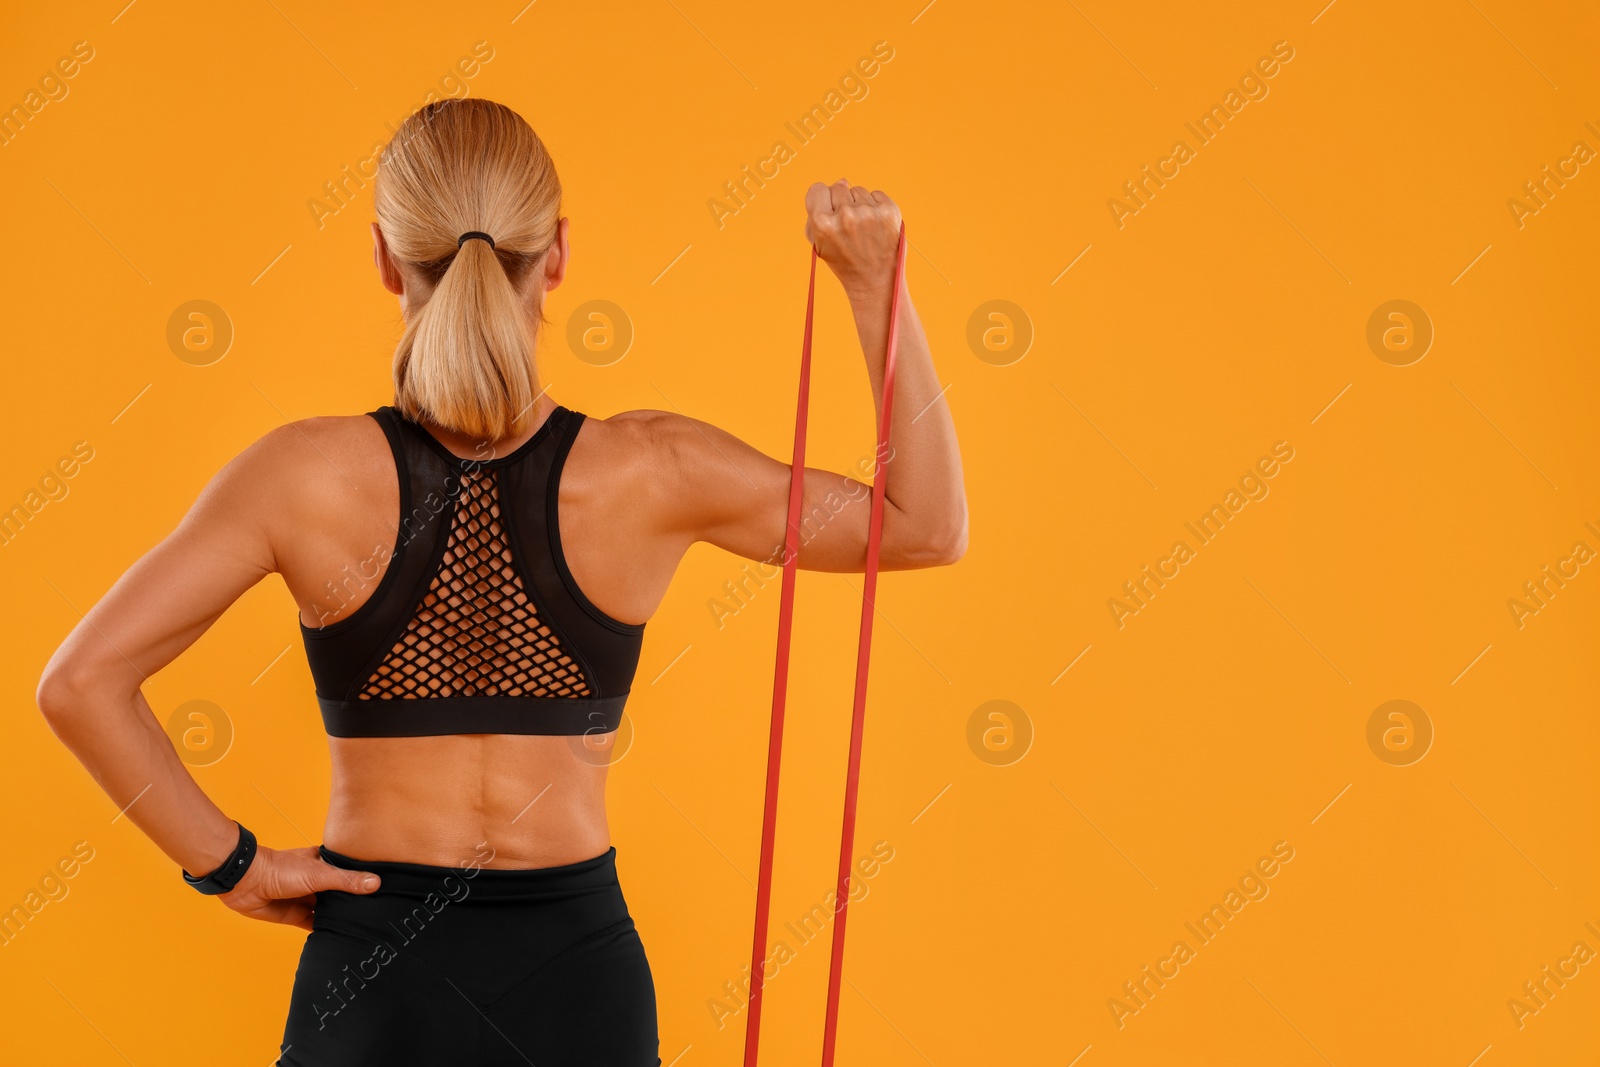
point(474, 568)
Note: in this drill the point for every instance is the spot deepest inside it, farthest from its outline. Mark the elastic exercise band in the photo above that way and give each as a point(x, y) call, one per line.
point(780, 675)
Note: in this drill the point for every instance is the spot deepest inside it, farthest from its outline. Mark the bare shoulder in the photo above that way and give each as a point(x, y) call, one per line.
point(640, 428)
point(317, 450)
point(306, 468)
point(642, 442)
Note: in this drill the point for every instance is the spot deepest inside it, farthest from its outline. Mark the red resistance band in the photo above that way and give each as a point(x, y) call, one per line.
point(780, 674)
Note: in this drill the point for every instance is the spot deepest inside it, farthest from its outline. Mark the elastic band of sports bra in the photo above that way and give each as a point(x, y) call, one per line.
point(436, 716)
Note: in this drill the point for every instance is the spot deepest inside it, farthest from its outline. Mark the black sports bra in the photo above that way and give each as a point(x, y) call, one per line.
point(477, 626)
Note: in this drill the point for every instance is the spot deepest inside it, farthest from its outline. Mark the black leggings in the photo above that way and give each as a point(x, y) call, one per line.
point(473, 966)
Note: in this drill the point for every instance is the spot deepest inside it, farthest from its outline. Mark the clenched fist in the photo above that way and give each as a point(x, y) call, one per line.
point(856, 232)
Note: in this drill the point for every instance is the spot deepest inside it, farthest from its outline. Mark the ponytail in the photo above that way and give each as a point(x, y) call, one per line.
point(466, 358)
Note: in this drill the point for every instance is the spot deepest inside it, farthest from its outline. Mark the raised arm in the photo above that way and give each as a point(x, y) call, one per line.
point(719, 489)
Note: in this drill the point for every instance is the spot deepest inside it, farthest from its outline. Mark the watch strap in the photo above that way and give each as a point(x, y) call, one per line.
point(228, 873)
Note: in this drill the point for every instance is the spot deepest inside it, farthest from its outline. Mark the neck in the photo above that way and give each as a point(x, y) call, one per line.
point(470, 447)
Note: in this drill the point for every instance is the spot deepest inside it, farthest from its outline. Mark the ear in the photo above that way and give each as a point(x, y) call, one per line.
point(555, 261)
point(388, 272)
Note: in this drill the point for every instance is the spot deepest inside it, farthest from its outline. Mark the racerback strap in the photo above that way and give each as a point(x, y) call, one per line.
point(780, 674)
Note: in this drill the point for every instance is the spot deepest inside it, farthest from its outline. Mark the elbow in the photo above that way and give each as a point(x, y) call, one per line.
point(951, 544)
point(950, 548)
point(939, 546)
point(62, 695)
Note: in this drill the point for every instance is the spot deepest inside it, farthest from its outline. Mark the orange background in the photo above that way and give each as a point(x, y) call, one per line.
point(1228, 314)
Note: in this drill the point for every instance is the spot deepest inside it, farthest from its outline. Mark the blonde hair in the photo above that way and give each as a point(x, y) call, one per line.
point(465, 361)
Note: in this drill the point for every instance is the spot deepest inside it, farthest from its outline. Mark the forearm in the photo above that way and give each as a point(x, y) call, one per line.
point(119, 741)
point(857, 233)
point(926, 511)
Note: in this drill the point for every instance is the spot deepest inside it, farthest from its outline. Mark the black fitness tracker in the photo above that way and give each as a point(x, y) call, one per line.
point(228, 873)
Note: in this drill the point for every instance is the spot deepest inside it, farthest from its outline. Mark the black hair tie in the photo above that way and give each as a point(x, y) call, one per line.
point(471, 234)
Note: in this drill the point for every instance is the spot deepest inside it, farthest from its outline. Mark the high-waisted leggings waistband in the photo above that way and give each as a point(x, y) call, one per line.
point(486, 883)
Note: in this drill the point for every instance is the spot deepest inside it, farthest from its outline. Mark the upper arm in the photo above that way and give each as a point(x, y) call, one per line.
point(714, 487)
point(172, 595)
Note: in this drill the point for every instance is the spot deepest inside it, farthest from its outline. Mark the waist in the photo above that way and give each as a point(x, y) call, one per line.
point(477, 923)
point(473, 878)
point(534, 801)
